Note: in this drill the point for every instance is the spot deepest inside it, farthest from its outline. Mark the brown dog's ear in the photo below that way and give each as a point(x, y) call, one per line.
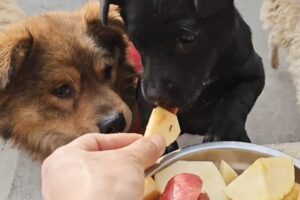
point(207, 8)
point(111, 37)
point(92, 14)
point(14, 49)
point(104, 9)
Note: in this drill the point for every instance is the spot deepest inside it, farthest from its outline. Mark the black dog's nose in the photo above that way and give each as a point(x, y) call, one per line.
point(162, 93)
point(113, 124)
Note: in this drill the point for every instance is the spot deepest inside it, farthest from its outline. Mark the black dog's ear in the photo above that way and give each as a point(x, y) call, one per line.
point(15, 46)
point(207, 8)
point(104, 9)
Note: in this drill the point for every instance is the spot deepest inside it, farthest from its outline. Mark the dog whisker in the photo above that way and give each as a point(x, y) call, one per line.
point(132, 76)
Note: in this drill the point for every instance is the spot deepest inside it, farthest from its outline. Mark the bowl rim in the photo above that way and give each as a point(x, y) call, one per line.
point(176, 155)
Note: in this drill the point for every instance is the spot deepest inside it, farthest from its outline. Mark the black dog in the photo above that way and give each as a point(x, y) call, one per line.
point(198, 56)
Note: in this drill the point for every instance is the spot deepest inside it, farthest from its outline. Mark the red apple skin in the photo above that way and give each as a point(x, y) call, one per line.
point(203, 196)
point(183, 187)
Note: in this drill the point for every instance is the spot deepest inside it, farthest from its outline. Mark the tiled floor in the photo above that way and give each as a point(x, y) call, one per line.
point(273, 119)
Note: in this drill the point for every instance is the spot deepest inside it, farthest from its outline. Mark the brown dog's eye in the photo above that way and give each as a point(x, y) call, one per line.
point(108, 72)
point(63, 92)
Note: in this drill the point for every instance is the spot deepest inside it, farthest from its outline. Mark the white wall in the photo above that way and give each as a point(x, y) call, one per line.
point(37, 6)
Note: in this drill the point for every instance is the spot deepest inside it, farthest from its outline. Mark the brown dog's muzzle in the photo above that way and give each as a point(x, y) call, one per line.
point(112, 124)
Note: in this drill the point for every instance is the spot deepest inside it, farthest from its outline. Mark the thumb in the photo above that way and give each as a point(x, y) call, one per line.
point(147, 150)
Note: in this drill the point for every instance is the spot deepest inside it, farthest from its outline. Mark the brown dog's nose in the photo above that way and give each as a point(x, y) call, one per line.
point(113, 124)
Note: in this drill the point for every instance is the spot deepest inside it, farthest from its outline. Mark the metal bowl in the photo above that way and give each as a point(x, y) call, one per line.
point(236, 154)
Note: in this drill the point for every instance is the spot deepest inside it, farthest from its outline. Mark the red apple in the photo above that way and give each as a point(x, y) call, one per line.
point(183, 187)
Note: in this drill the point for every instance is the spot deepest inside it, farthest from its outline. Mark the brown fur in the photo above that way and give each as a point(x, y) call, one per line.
point(55, 49)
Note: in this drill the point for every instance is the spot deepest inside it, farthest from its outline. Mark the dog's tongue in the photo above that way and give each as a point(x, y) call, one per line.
point(173, 110)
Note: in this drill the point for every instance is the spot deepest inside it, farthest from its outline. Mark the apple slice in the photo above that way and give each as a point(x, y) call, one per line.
point(227, 172)
point(183, 187)
point(165, 123)
point(265, 179)
point(151, 191)
point(203, 196)
point(280, 182)
point(213, 182)
point(294, 194)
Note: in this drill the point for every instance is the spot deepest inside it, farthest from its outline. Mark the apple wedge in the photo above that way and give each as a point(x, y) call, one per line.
point(294, 194)
point(203, 196)
point(265, 179)
point(213, 182)
point(183, 187)
point(165, 123)
point(227, 172)
point(151, 191)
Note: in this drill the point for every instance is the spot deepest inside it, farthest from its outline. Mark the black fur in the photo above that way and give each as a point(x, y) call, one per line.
point(198, 56)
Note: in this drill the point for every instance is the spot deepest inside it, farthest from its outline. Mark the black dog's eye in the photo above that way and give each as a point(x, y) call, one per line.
point(64, 92)
point(188, 36)
point(107, 73)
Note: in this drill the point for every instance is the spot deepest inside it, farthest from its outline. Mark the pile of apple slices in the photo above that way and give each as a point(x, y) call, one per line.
point(265, 179)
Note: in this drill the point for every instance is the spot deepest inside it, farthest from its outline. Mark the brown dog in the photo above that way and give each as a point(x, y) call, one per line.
point(63, 75)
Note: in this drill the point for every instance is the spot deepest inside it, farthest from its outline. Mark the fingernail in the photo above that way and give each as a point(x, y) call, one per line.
point(159, 141)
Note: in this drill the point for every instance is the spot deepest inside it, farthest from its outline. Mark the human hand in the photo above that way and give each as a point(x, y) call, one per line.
point(96, 166)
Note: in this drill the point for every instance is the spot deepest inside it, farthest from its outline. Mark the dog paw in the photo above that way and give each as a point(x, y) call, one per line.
point(238, 133)
point(209, 137)
point(173, 147)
